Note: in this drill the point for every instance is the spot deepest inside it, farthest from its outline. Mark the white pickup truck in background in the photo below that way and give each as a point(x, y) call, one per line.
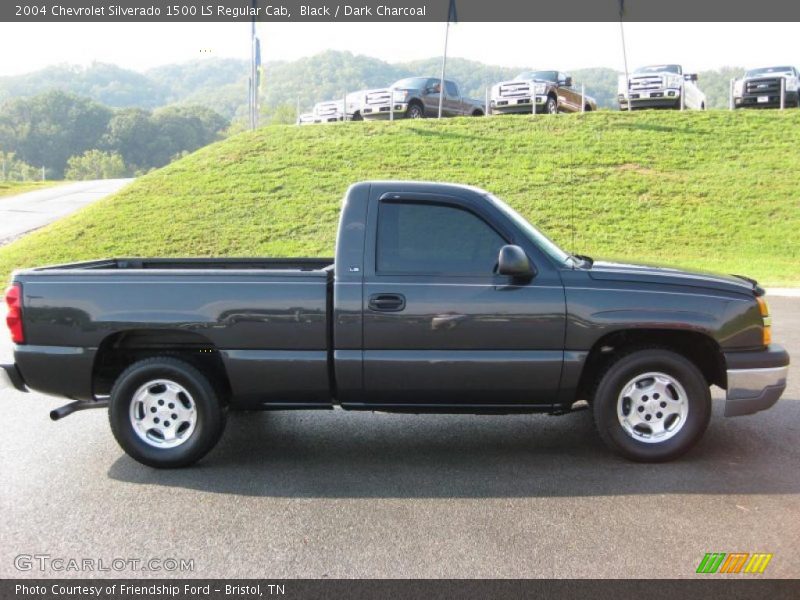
point(761, 88)
point(331, 111)
point(660, 86)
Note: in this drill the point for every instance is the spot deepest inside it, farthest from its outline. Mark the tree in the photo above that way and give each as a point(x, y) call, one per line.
point(12, 169)
point(131, 133)
point(46, 130)
point(95, 164)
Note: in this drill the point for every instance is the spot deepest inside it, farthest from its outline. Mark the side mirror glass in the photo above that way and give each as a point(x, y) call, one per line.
point(690, 77)
point(568, 82)
point(513, 261)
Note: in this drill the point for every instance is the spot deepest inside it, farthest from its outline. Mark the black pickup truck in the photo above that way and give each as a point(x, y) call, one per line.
point(441, 299)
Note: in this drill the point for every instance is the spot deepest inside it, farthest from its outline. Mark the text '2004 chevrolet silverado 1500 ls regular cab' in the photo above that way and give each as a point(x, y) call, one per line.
point(441, 299)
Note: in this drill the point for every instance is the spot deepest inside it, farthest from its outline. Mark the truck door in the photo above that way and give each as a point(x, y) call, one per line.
point(440, 326)
point(569, 97)
point(453, 107)
point(431, 98)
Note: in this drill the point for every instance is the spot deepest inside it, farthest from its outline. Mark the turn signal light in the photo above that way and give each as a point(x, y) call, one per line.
point(14, 316)
point(762, 306)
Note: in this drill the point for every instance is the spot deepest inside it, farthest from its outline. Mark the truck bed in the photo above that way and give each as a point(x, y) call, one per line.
point(266, 318)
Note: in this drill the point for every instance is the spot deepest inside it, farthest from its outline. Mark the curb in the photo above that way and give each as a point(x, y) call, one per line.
point(784, 292)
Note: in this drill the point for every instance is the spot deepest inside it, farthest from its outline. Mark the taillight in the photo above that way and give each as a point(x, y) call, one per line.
point(14, 317)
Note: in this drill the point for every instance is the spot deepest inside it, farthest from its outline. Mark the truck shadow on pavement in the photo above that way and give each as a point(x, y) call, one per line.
point(364, 455)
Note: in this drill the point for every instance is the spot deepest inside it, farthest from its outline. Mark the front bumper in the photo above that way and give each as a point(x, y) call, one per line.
point(384, 111)
point(651, 99)
point(516, 105)
point(756, 380)
point(765, 100)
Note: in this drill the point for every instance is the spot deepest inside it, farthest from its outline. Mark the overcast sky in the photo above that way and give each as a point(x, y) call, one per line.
point(29, 46)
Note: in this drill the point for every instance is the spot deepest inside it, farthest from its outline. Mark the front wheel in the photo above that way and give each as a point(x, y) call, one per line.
point(551, 107)
point(652, 405)
point(165, 413)
point(415, 112)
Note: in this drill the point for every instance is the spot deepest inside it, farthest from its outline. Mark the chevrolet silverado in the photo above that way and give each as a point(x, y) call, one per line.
point(440, 299)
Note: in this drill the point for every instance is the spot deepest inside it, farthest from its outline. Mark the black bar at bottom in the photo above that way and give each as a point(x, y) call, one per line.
point(709, 587)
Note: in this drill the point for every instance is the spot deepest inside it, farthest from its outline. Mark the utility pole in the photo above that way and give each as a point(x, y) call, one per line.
point(624, 54)
point(255, 65)
point(451, 16)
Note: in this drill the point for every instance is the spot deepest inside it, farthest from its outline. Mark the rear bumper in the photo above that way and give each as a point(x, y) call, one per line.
point(55, 370)
point(756, 380)
point(11, 377)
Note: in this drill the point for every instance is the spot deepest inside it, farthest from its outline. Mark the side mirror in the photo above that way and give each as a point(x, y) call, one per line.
point(690, 77)
point(568, 82)
point(513, 262)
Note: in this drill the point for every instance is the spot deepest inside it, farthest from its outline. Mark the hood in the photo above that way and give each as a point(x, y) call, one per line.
point(611, 271)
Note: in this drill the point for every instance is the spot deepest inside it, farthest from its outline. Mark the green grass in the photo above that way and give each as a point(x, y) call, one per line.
point(717, 190)
point(12, 188)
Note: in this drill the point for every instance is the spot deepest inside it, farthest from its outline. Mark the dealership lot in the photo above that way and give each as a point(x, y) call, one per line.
point(333, 494)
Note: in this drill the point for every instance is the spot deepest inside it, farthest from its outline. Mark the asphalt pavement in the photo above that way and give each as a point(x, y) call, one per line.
point(23, 213)
point(335, 494)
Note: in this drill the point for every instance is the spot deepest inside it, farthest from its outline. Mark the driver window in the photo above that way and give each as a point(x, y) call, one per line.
point(434, 239)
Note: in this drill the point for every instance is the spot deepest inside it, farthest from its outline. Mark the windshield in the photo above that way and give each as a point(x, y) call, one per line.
point(770, 71)
point(533, 234)
point(660, 69)
point(537, 75)
point(411, 83)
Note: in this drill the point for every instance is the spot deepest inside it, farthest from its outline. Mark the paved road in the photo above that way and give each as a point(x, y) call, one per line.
point(334, 494)
point(26, 212)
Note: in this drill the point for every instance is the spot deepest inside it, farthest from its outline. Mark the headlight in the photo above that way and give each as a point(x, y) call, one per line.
point(738, 87)
point(400, 96)
point(672, 81)
point(791, 84)
point(539, 88)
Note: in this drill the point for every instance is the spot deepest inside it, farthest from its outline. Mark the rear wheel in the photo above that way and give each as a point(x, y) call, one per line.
point(652, 405)
point(165, 413)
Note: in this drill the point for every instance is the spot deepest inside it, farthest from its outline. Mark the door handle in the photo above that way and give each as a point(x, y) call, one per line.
point(387, 302)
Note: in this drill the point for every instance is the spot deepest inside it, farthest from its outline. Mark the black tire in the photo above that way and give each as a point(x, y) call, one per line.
point(477, 113)
point(606, 399)
point(551, 106)
point(357, 116)
point(587, 108)
point(210, 414)
point(415, 111)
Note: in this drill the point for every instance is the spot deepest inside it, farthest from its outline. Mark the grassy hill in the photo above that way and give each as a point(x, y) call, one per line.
point(715, 190)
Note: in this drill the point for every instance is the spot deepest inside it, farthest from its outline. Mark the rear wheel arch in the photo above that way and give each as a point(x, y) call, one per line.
point(121, 349)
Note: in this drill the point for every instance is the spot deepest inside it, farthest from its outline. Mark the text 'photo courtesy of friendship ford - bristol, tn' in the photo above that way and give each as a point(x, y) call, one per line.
point(440, 299)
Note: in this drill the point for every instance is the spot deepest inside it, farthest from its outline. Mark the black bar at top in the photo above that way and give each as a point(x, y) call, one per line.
point(399, 11)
